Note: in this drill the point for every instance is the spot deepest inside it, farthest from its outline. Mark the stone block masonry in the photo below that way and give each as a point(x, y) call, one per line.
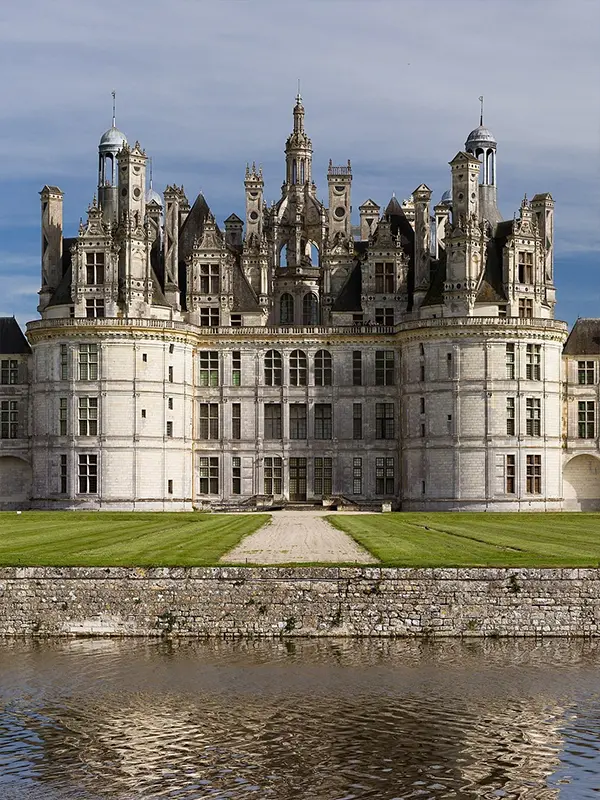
point(265, 602)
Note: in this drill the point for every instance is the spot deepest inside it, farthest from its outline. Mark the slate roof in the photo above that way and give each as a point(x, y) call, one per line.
point(192, 227)
point(584, 339)
point(244, 298)
point(62, 295)
point(12, 339)
point(349, 297)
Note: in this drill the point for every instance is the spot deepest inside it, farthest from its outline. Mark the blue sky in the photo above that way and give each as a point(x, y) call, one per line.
point(207, 85)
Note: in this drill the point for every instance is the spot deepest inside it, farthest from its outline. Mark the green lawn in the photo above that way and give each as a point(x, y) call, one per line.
point(119, 539)
point(477, 539)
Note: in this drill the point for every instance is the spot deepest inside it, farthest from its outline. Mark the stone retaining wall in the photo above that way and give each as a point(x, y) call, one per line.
point(277, 601)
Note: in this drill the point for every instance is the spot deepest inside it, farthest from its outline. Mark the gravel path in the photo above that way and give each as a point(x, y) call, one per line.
point(296, 537)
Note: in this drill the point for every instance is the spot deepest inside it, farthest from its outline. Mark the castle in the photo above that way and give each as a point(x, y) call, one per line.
point(292, 357)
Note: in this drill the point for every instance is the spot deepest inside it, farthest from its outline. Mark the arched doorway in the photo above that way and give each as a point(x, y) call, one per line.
point(15, 482)
point(581, 484)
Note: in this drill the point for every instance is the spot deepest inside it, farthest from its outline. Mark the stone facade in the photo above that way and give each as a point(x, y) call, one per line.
point(272, 602)
point(412, 360)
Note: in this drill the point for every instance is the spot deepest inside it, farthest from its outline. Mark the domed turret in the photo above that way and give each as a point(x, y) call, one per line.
point(482, 144)
point(446, 198)
point(111, 142)
point(152, 196)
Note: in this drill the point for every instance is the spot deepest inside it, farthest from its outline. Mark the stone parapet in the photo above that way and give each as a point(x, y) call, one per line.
point(267, 602)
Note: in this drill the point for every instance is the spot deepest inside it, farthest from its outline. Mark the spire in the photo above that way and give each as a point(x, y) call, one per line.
point(114, 116)
point(298, 113)
point(150, 160)
point(481, 111)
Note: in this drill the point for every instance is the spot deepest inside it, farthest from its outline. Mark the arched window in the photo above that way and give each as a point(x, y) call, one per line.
point(310, 309)
point(283, 256)
point(323, 368)
point(298, 368)
point(286, 309)
point(294, 171)
point(273, 368)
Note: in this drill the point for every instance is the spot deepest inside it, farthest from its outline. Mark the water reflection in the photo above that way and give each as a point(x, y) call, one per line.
point(312, 719)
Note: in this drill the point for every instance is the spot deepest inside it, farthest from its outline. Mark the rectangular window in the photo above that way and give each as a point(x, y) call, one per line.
point(449, 426)
point(357, 368)
point(510, 416)
point(94, 268)
point(236, 320)
point(9, 419)
point(533, 362)
point(585, 372)
point(62, 416)
point(357, 319)
point(9, 372)
point(586, 419)
point(525, 267)
point(384, 476)
point(94, 307)
point(209, 475)
point(357, 432)
point(384, 278)
point(171, 349)
point(423, 430)
point(384, 367)
point(511, 474)
point(88, 474)
point(357, 476)
point(449, 370)
point(63, 476)
point(323, 474)
point(502, 310)
point(323, 368)
point(209, 369)
point(209, 421)
point(64, 362)
point(145, 358)
point(525, 308)
point(209, 279)
point(88, 416)
point(170, 375)
point(421, 372)
point(534, 474)
point(323, 421)
point(236, 420)
point(236, 368)
point(272, 420)
point(384, 316)
point(209, 317)
point(511, 360)
point(88, 362)
point(236, 475)
point(421, 405)
point(533, 416)
point(143, 413)
point(384, 421)
point(169, 487)
point(297, 420)
point(170, 403)
point(273, 475)
point(170, 429)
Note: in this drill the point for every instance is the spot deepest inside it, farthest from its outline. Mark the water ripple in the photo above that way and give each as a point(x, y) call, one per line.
point(306, 719)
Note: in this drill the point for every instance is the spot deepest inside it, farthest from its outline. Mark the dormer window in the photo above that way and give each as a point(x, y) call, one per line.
point(209, 279)
point(94, 268)
point(525, 267)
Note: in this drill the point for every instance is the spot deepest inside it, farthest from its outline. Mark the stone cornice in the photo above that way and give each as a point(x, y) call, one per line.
point(423, 329)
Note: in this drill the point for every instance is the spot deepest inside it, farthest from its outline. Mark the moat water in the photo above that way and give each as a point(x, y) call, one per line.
point(320, 720)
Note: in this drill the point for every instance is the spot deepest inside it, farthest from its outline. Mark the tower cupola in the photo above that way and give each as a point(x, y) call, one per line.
point(298, 150)
point(111, 143)
point(482, 144)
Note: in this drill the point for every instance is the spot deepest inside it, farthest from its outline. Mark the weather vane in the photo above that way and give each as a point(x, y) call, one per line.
point(481, 113)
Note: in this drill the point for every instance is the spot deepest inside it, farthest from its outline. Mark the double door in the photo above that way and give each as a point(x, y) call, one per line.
point(297, 479)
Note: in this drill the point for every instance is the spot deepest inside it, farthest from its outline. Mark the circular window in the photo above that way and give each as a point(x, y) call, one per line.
point(473, 196)
point(124, 192)
point(136, 192)
point(458, 285)
point(460, 196)
point(340, 212)
point(253, 215)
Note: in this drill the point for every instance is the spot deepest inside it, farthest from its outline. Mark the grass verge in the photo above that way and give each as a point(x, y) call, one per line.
point(477, 539)
point(120, 539)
